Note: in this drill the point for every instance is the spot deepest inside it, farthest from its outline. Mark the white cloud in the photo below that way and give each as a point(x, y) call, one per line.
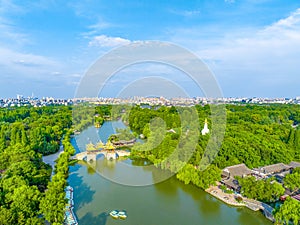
point(96, 28)
point(100, 25)
point(106, 41)
point(278, 41)
point(230, 1)
point(7, 6)
point(8, 33)
point(265, 59)
point(185, 13)
point(25, 65)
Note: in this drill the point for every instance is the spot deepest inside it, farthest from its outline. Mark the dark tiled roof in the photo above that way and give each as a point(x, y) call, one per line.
point(294, 164)
point(238, 170)
point(275, 168)
point(232, 183)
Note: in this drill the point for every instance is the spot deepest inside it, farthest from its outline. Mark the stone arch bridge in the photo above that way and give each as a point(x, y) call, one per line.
point(92, 155)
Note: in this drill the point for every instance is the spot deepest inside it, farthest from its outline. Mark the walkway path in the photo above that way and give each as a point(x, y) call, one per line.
point(50, 159)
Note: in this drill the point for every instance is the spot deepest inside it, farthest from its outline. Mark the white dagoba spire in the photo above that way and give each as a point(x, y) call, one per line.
point(205, 129)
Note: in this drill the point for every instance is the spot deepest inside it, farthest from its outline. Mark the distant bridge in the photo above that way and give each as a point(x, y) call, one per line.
point(92, 155)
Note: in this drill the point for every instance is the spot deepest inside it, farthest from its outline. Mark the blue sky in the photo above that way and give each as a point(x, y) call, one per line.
point(251, 46)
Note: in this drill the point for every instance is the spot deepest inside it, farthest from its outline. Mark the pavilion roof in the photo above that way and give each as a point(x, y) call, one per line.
point(239, 170)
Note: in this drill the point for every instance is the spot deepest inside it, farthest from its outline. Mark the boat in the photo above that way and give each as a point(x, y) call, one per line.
point(114, 214)
point(122, 215)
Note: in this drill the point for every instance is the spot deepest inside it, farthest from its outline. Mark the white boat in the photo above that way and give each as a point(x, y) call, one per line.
point(122, 215)
point(114, 214)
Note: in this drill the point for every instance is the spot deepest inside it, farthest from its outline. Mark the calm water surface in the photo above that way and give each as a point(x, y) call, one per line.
point(166, 203)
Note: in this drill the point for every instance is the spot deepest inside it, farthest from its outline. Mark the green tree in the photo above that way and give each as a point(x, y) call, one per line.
point(25, 201)
point(292, 181)
point(288, 212)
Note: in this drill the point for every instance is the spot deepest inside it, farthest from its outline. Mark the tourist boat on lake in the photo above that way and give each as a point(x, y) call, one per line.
point(114, 214)
point(122, 215)
point(118, 214)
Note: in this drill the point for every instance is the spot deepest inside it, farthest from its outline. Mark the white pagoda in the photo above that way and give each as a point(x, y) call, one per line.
point(205, 129)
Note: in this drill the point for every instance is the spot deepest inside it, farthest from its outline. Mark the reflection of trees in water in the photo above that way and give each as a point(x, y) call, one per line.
point(140, 162)
point(168, 187)
point(81, 191)
point(206, 203)
point(249, 217)
point(158, 175)
point(90, 170)
point(89, 219)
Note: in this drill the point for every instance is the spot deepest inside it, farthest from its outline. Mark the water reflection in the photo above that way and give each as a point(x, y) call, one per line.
point(88, 218)
point(81, 190)
point(247, 217)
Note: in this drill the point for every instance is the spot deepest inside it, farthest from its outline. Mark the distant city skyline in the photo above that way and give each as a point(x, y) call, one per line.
point(252, 47)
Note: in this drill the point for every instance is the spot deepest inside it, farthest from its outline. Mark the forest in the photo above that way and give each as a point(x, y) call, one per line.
point(26, 134)
point(256, 135)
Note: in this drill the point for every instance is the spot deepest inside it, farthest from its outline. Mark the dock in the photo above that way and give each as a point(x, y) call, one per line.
point(70, 218)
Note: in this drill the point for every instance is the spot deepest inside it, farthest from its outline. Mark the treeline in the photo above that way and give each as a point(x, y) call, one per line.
point(39, 128)
point(122, 135)
point(53, 205)
point(85, 115)
point(25, 135)
point(260, 135)
point(256, 135)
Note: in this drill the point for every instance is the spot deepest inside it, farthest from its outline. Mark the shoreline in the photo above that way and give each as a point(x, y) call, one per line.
point(224, 197)
point(230, 199)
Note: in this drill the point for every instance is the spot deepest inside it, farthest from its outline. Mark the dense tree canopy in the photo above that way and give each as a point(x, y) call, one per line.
point(256, 135)
point(263, 190)
point(292, 181)
point(27, 133)
point(289, 212)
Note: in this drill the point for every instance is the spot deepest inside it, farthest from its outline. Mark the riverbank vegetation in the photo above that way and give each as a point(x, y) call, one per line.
point(122, 135)
point(53, 205)
point(85, 115)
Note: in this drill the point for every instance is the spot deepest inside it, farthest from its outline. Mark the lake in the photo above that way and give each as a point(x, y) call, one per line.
point(166, 203)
